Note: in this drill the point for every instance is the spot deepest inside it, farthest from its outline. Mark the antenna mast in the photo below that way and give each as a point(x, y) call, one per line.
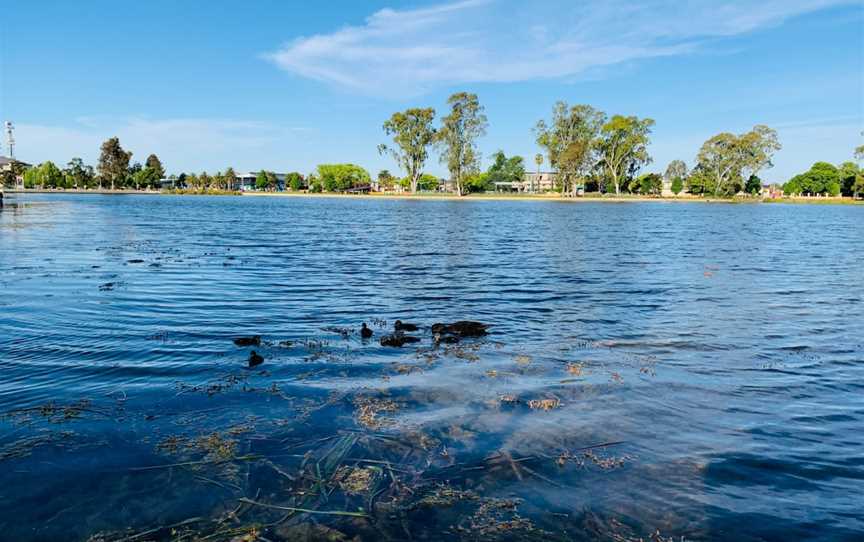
point(10, 139)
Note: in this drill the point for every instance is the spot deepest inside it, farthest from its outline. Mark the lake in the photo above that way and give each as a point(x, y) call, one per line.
point(652, 370)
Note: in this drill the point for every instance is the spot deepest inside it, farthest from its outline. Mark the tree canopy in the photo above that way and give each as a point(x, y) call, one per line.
point(726, 159)
point(570, 140)
point(412, 133)
point(113, 162)
point(155, 164)
point(676, 169)
point(623, 147)
point(342, 177)
point(821, 178)
point(457, 137)
point(506, 170)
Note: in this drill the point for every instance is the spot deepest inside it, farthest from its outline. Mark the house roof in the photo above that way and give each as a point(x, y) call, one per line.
point(5, 160)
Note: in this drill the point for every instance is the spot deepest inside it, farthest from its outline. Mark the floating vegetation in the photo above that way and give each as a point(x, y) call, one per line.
point(23, 447)
point(356, 480)
point(497, 518)
point(220, 385)
point(544, 404)
point(368, 410)
point(53, 412)
point(575, 369)
point(522, 359)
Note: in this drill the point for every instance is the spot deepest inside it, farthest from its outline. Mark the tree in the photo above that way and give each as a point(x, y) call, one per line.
point(758, 147)
point(506, 170)
point(649, 183)
point(427, 182)
point(477, 182)
point(726, 158)
point(822, 178)
point(386, 181)
point(113, 162)
point(261, 180)
point(218, 181)
point(204, 181)
point(342, 177)
point(77, 174)
point(538, 161)
point(412, 133)
point(570, 141)
point(858, 187)
point(676, 171)
point(294, 180)
point(753, 185)
point(623, 147)
point(146, 177)
point(457, 137)
point(50, 175)
point(230, 179)
point(849, 172)
point(31, 177)
point(155, 164)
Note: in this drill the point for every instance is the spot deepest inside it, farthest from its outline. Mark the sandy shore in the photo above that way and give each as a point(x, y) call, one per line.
point(471, 197)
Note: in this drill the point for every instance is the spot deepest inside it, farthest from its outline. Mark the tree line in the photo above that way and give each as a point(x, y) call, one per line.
point(587, 150)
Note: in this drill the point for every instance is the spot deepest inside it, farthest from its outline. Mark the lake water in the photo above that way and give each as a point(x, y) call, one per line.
point(660, 370)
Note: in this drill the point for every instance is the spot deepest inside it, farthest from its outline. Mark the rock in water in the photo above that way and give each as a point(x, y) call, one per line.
point(365, 332)
point(399, 325)
point(255, 359)
point(254, 340)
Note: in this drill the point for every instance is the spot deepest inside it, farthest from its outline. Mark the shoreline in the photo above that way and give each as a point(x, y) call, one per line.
point(469, 197)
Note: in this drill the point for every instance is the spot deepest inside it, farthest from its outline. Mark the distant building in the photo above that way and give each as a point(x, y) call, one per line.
point(772, 191)
point(246, 182)
point(666, 189)
point(6, 163)
point(543, 181)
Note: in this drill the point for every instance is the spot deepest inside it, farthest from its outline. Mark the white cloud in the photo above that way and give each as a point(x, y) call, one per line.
point(405, 52)
point(182, 144)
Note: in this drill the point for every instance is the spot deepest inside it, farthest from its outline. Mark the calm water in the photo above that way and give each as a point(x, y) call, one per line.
point(716, 351)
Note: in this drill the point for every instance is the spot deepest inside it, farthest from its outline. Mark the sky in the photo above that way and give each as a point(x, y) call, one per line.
point(284, 86)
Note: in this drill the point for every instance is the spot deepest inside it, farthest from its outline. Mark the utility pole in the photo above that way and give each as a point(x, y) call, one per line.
point(10, 143)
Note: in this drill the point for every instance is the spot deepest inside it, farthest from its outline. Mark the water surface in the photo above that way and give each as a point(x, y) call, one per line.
point(653, 369)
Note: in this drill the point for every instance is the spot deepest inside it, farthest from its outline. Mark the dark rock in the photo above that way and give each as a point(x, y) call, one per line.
point(365, 332)
point(255, 359)
point(254, 340)
point(399, 325)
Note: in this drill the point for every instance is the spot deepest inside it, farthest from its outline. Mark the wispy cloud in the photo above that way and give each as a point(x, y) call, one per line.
point(404, 52)
point(182, 143)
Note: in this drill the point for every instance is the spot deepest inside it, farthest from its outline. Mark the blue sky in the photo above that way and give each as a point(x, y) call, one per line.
point(288, 85)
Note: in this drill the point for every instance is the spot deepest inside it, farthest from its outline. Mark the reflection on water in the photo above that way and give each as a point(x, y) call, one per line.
point(652, 370)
